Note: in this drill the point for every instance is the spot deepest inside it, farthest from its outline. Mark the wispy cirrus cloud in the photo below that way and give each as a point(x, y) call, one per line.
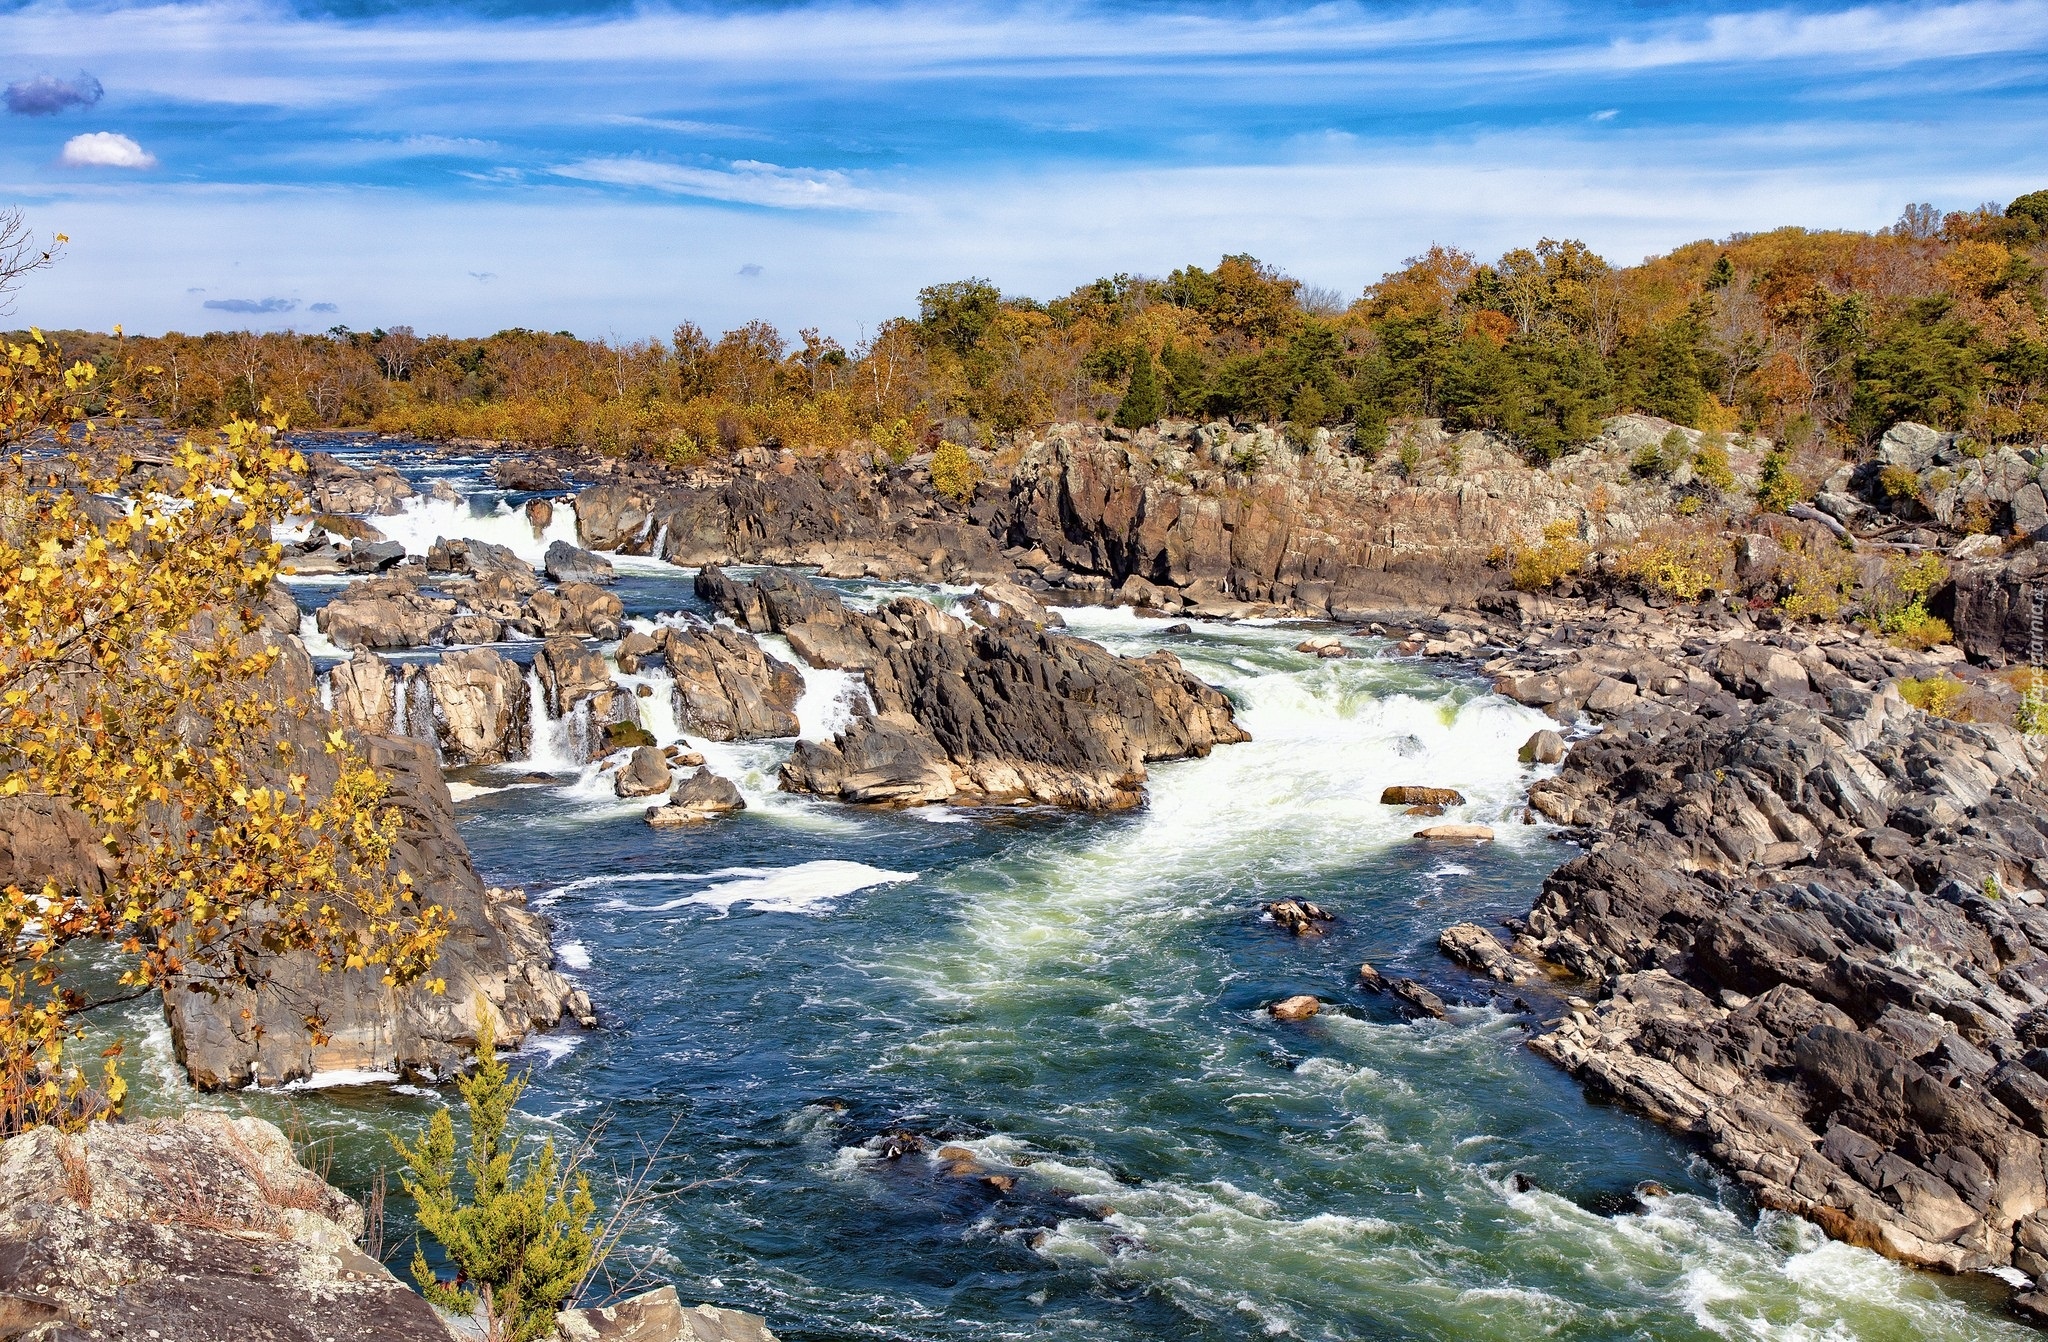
point(743, 182)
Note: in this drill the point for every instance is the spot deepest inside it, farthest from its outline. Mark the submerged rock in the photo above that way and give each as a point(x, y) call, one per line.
point(1456, 833)
point(1298, 1007)
point(1422, 796)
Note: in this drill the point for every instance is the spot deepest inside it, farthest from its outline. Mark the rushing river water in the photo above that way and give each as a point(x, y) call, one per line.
point(1078, 1000)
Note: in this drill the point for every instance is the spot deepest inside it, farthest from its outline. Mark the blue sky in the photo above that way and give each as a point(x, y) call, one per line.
point(612, 169)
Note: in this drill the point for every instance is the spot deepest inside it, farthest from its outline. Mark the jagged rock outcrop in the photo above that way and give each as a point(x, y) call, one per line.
point(472, 703)
point(497, 949)
point(577, 684)
point(646, 774)
point(1006, 711)
point(697, 799)
point(202, 1229)
point(387, 612)
point(480, 706)
point(566, 563)
point(727, 687)
point(850, 521)
point(574, 608)
point(1816, 919)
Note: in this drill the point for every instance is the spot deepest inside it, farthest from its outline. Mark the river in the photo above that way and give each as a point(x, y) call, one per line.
point(1077, 1000)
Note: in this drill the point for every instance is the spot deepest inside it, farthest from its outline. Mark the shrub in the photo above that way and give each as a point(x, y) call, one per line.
point(1647, 461)
point(1411, 458)
point(619, 735)
point(1663, 457)
point(1778, 488)
point(1899, 484)
point(1561, 555)
point(894, 441)
point(1975, 518)
point(2032, 715)
point(522, 1248)
point(1815, 584)
point(1142, 403)
point(1941, 696)
point(1896, 606)
point(1679, 562)
point(1369, 434)
point(954, 473)
point(1710, 464)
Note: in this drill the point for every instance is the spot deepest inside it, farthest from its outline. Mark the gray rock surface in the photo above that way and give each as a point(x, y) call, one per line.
point(727, 687)
point(566, 563)
point(1006, 711)
point(205, 1229)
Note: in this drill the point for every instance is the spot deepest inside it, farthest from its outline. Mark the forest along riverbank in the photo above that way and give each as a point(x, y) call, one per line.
point(1027, 1050)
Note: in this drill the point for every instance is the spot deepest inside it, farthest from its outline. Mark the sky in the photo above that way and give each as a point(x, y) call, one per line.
point(613, 169)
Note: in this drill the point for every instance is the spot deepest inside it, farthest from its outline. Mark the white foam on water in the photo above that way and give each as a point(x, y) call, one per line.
point(423, 519)
point(552, 748)
point(317, 643)
point(329, 1080)
point(459, 790)
point(806, 888)
point(831, 699)
point(574, 954)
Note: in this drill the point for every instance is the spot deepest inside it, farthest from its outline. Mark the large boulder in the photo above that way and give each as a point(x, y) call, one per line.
point(526, 474)
point(480, 559)
point(388, 612)
point(480, 703)
point(577, 608)
point(1913, 446)
point(727, 688)
point(202, 1229)
point(645, 775)
point(697, 799)
point(576, 683)
point(566, 563)
point(336, 488)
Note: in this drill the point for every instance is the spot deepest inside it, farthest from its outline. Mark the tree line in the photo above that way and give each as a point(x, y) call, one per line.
point(1810, 337)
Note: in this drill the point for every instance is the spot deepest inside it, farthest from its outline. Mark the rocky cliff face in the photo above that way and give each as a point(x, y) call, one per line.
point(1811, 927)
point(205, 1229)
point(1007, 711)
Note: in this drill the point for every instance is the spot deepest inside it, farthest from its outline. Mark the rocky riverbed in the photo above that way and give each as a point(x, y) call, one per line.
point(1800, 927)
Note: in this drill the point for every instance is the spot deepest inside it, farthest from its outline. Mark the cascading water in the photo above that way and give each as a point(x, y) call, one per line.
point(423, 519)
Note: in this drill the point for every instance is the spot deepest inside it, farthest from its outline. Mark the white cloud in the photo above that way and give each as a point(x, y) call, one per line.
point(745, 182)
point(104, 149)
point(1607, 114)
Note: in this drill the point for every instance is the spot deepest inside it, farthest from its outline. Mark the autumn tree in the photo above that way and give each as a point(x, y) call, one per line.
point(147, 729)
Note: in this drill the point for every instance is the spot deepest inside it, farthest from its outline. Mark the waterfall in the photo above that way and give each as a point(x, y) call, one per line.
point(550, 747)
point(398, 693)
point(423, 519)
point(326, 691)
point(660, 550)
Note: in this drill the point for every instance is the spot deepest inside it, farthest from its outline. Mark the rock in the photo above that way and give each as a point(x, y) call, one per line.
point(645, 774)
point(2029, 510)
point(1545, 747)
point(202, 1229)
point(384, 613)
point(727, 687)
point(373, 556)
point(1442, 833)
point(1422, 796)
point(1611, 696)
point(525, 474)
point(480, 703)
point(577, 608)
point(1299, 1007)
point(1912, 446)
point(336, 488)
point(1002, 712)
point(480, 559)
point(696, 799)
point(349, 528)
point(1371, 979)
point(1321, 646)
point(540, 515)
point(1476, 948)
point(1298, 916)
point(1421, 998)
point(659, 1316)
point(565, 563)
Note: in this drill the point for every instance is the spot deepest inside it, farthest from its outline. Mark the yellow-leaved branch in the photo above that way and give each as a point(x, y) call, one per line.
point(143, 702)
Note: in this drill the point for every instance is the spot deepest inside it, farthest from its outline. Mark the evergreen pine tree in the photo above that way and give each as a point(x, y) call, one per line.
point(520, 1249)
point(1142, 404)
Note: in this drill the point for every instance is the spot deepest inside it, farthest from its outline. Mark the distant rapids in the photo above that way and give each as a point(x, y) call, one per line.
point(1077, 1002)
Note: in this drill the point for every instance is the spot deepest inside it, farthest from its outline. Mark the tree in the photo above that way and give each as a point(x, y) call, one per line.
point(1142, 403)
point(521, 1249)
point(953, 472)
point(143, 711)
